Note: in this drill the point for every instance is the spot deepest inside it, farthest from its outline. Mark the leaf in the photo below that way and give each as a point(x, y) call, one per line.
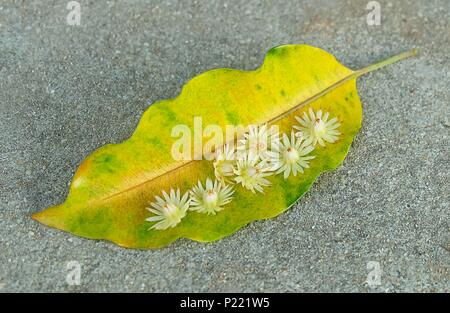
point(112, 187)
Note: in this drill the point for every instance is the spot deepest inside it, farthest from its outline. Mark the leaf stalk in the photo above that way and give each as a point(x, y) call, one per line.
point(386, 62)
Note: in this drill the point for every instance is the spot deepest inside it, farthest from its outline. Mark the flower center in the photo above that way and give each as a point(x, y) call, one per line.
point(210, 198)
point(257, 145)
point(250, 171)
point(291, 155)
point(226, 168)
point(171, 209)
point(319, 128)
point(261, 146)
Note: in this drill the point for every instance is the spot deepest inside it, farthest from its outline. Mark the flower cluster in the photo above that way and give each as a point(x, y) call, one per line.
point(259, 154)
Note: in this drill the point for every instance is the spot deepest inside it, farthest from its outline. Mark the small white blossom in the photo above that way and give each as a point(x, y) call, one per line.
point(258, 140)
point(170, 210)
point(251, 173)
point(224, 163)
point(291, 156)
point(316, 128)
point(212, 198)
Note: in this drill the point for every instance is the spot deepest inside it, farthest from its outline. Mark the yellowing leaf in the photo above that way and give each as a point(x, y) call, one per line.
point(113, 187)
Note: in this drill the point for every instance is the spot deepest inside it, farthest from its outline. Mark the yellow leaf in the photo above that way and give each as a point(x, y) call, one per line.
point(113, 187)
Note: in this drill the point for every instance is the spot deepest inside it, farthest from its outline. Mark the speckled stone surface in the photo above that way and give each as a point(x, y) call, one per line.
point(67, 90)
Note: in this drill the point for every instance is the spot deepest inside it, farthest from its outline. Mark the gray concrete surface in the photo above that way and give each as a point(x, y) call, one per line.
point(65, 91)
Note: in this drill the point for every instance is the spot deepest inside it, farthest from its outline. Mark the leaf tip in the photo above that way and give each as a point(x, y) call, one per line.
point(39, 217)
point(49, 217)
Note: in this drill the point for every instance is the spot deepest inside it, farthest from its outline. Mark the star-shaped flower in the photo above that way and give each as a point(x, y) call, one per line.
point(224, 163)
point(316, 128)
point(258, 140)
point(251, 173)
point(212, 198)
point(291, 156)
point(170, 210)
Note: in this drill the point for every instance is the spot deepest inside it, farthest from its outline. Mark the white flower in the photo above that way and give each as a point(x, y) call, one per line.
point(210, 200)
point(258, 141)
point(291, 155)
point(170, 210)
point(316, 128)
point(224, 163)
point(250, 172)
